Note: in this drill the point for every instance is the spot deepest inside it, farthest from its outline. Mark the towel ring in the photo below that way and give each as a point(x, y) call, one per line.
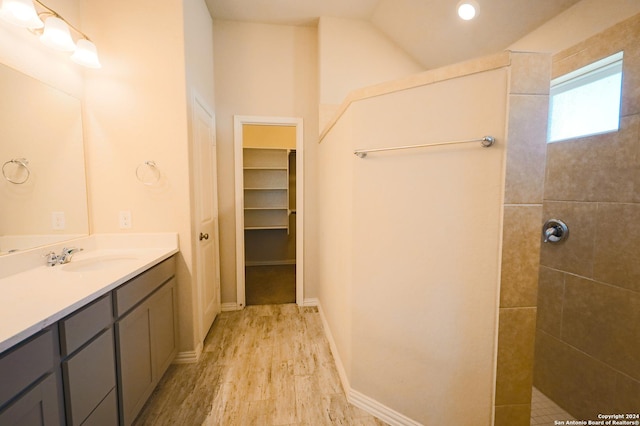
point(148, 173)
point(20, 162)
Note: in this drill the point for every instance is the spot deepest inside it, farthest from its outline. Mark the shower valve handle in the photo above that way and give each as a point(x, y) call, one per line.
point(554, 231)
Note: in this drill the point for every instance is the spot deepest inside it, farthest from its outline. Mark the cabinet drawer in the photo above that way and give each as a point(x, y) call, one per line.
point(82, 325)
point(25, 364)
point(134, 291)
point(107, 412)
point(89, 376)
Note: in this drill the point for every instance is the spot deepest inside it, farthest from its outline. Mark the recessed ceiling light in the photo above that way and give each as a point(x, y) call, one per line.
point(468, 9)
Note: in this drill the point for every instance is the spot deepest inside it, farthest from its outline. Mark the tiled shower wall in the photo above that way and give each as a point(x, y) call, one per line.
point(524, 186)
point(587, 350)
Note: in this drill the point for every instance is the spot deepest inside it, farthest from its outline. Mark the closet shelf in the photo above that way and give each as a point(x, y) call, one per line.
point(265, 168)
point(266, 188)
point(267, 208)
point(257, 228)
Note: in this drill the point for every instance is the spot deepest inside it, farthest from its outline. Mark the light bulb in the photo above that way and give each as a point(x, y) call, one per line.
point(467, 9)
point(86, 54)
point(21, 13)
point(56, 34)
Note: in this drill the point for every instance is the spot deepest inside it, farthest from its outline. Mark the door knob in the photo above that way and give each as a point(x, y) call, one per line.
point(554, 231)
point(204, 236)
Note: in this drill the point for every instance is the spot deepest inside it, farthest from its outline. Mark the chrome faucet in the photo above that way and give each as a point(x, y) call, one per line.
point(67, 254)
point(64, 257)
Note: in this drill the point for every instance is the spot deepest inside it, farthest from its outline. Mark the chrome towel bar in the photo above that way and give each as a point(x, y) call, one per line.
point(486, 142)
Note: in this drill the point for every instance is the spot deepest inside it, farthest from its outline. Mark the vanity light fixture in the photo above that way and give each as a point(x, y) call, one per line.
point(21, 13)
point(56, 35)
point(468, 9)
point(55, 32)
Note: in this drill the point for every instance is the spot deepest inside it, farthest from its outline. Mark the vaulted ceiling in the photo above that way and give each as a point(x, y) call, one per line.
point(428, 30)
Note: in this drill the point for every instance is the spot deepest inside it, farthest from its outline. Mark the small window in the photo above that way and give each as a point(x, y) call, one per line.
point(586, 101)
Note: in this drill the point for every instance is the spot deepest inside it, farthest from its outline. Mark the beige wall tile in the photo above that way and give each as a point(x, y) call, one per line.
point(527, 148)
point(623, 36)
point(520, 256)
point(513, 415)
point(550, 298)
point(587, 339)
point(604, 322)
point(575, 254)
point(627, 391)
point(530, 73)
point(617, 245)
point(630, 84)
point(514, 376)
point(595, 168)
point(576, 382)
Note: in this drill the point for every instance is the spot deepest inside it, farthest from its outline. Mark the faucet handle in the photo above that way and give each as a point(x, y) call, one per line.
point(71, 250)
point(52, 258)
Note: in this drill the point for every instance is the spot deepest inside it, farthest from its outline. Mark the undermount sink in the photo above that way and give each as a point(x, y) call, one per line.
point(98, 263)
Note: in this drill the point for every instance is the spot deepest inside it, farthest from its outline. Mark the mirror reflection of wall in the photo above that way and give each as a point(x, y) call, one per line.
point(43, 126)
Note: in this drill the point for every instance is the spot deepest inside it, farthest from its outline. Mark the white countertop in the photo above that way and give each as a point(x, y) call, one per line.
point(32, 298)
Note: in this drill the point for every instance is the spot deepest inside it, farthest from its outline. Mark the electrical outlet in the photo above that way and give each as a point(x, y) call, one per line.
point(125, 219)
point(57, 221)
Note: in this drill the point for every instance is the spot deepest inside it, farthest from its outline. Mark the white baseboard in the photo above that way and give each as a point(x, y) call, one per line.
point(229, 307)
point(189, 357)
point(379, 410)
point(311, 301)
point(356, 398)
point(342, 373)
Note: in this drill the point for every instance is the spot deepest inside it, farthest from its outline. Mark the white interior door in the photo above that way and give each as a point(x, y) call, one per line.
point(207, 243)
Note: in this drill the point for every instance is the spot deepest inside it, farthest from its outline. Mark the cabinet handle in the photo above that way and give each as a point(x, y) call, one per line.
point(204, 236)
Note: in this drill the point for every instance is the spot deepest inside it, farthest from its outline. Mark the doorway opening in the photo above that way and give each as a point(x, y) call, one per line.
point(269, 237)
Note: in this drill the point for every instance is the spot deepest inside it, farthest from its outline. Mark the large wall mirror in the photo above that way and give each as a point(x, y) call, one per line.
point(43, 195)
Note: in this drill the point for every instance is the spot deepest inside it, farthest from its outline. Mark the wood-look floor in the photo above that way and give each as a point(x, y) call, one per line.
point(264, 365)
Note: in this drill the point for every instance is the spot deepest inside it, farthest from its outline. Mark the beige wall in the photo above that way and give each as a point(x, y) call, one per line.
point(416, 329)
point(589, 295)
point(136, 110)
point(263, 70)
point(258, 136)
point(354, 54)
point(579, 22)
point(335, 239)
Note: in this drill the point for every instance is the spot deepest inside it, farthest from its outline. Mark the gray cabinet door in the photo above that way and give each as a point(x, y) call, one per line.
point(37, 407)
point(163, 328)
point(136, 383)
point(146, 340)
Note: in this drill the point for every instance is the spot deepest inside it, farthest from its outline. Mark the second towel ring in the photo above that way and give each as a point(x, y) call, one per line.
point(148, 173)
point(20, 162)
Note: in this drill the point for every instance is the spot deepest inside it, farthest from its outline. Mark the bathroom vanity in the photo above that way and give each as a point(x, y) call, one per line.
point(96, 360)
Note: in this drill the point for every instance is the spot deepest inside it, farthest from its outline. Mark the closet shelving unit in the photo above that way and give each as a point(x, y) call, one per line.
point(266, 188)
